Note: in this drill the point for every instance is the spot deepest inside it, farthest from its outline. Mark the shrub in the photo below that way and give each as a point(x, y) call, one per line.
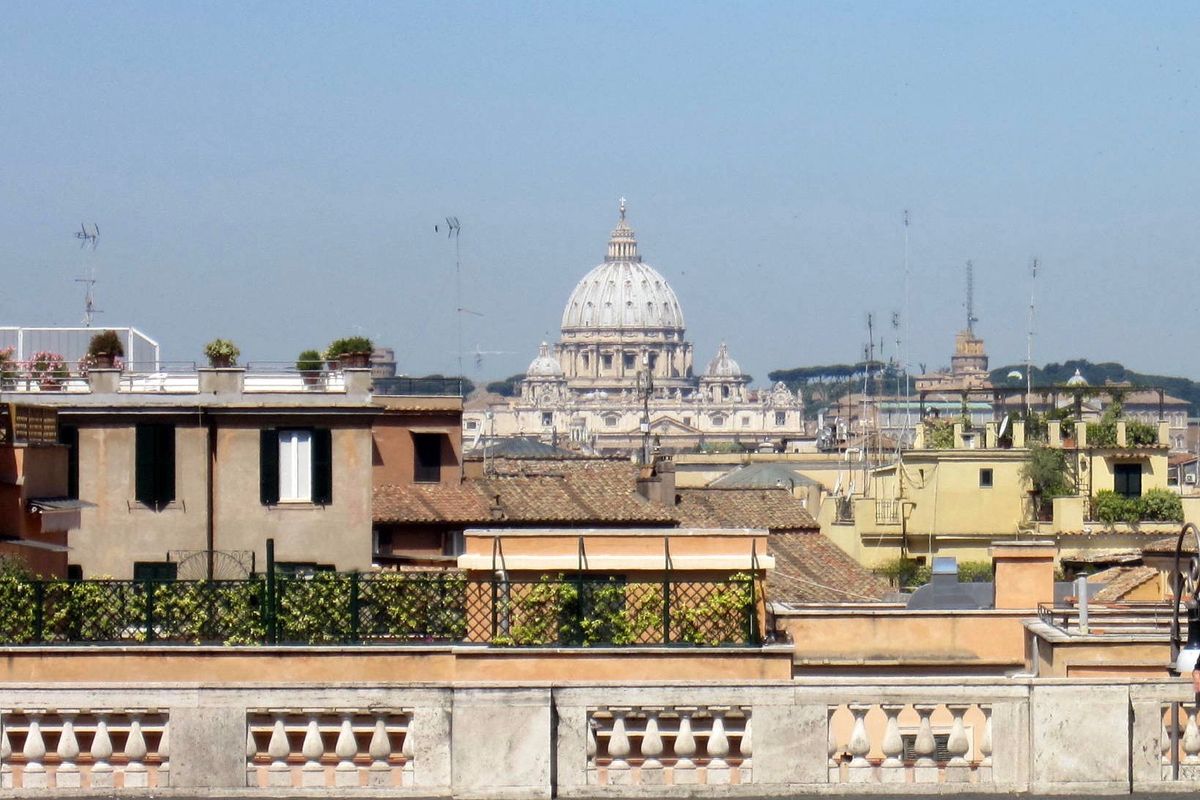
point(1161, 505)
point(1140, 434)
point(1046, 471)
point(975, 572)
point(351, 344)
point(902, 572)
point(310, 361)
point(219, 349)
point(1102, 434)
point(1110, 507)
point(939, 434)
point(106, 342)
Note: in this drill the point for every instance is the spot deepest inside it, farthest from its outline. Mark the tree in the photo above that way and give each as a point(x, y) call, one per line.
point(509, 387)
point(1046, 472)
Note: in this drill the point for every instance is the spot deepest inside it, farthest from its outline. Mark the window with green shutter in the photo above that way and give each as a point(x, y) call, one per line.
point(154, 464)
point(296, 465)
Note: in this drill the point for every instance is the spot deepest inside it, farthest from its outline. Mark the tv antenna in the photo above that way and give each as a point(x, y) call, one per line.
point(971, 318)
point(88, 238)
point(453, 229)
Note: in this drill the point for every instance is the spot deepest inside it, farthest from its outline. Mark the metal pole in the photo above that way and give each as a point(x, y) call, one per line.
point(353, 630)
point(272, 604)
point(666, 591)
point(149, 585)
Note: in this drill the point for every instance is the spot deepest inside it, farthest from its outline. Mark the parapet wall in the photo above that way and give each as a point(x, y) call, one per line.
point(837, 737)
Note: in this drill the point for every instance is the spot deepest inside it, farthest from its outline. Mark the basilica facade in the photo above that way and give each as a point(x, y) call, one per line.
point(623, 367)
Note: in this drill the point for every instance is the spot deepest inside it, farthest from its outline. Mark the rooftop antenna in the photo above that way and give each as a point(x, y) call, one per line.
point(453, 228)
point(907, 315)
point(1029, 337)
point(971, 318)
point(89, 238)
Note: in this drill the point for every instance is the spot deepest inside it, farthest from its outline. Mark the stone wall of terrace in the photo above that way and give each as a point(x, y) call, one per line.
point(777, 738)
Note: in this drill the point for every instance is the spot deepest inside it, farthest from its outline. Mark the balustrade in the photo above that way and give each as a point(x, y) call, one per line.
point(895, 743)
point(320, 748)
point(1187, 743)
point(665, 746)
point(51, 749)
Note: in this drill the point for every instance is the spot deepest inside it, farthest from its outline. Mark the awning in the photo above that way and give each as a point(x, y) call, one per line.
point(51, 546)
point(425, 429)
point(58, 504)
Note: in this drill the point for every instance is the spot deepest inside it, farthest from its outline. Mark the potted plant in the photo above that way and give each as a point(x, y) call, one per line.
point(310, 366)
point(8, 367)
point(104, 350)
point(221, 353)
point(353, 351)
point(48, 369)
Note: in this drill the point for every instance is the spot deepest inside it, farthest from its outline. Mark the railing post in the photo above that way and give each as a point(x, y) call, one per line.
point(354, 608)
point(271, 611)
point(149, 611)
point(39, 611)
point(666, 591)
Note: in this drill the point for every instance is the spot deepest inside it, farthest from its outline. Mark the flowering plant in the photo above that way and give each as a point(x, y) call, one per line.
point(47, 367)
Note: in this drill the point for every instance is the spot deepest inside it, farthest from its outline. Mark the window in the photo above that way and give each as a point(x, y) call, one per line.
point(586, 360)
point(296, 466)
point(427, 457)
point(606, 360)
point(985, 478)
point(610, 421)
point(781, 418)
point(1127, 480)
point(154, 467)
point(547, 419)
point(687, 421)
point(653, 361)
point(717, 420)
point(745, 421)
point(69, 435)
point(725, 392)
point(155, 570)
point(472, 424)
point(629, 360)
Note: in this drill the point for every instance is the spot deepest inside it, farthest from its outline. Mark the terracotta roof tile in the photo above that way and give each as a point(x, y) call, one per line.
point(773, 509)
point(810, 568)
point(1120, 581)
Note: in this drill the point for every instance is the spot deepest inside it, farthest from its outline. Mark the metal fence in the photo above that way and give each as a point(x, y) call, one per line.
point(446, 387)
point(72, 343)
point(398, 608)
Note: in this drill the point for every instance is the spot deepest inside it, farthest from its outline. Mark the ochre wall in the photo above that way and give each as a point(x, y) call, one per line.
point(392, 454)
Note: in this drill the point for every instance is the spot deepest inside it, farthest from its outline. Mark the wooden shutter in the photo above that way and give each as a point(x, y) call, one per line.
point(164, 456)
point(322, 466)
point(143, 477)
point(268, 466)
point(69, 435)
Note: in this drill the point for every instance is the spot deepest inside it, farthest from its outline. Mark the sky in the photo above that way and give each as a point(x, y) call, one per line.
point(272, 173)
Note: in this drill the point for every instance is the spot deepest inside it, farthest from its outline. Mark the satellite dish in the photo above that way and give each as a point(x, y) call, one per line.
point(1016, 373)
point(1003, 426)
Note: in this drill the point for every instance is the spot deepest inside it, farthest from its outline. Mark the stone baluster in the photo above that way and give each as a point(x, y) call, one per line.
point(164, 756)
point(835, 768)
point(345, 774)
point(1189, 767)
point(408, 749)
point(6, 771)
point(985, 746)
point(618, 749)
point(1165, 746)
point(380, 750)
point(102, 750)
point(312, 773)
point(136, 775)
point(958, 770)
point(34, 775)
point(279, 774)
point(925, 770)
point(251, 754)
point(860, 770)
point(746, 749)
point(717, 748)
point(684, 771)
point(652, 773)
point(892, 768)
point(67, 776)
point(592, 773)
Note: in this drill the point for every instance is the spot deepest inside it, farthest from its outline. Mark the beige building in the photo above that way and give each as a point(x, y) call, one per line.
point(623, 368)
point(220, 468)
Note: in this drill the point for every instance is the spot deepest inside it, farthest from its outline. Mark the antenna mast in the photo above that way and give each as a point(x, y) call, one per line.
point(907, 316)
point(89, 238)
point(971, 318)
point(1029, 339)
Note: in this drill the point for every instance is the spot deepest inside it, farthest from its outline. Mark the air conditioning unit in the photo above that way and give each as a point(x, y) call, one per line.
point(1190, 478)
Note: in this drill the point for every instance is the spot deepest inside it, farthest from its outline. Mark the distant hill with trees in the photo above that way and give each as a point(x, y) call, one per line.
point(1098, 375)
point(827, 383)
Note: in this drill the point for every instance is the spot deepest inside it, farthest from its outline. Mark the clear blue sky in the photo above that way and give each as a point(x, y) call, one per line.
point(272, 173)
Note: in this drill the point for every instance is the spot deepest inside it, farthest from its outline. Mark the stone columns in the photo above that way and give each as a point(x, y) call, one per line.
point(101, 752)
point(860, 770)
point(380, 750)
point(892, 768)
point(717, 749)
point(958, 770)
point(67, 776)
point(652, 773)
point(925, 770)
point(685, 749)
point(34, 751)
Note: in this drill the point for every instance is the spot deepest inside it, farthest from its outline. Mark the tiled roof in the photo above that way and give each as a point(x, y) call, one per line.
point(763, 476)
point(1167, 545)
point(1122, 556)
point(1120, 581)
point(558, 491)
point(773, 509)
point(521, 447)
point(809, 568)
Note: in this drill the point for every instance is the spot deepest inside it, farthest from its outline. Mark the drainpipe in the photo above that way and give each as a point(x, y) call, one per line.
point(209, 529)
point(1081, 597)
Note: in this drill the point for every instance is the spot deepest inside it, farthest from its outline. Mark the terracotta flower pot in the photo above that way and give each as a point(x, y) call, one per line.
point(104, 360)
point(219, 362)
point(354, 360)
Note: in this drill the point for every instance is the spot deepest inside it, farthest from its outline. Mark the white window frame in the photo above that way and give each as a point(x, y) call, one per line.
point(295, 466)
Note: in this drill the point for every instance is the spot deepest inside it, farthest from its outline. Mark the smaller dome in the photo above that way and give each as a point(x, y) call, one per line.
point(545, 365)
point(723, 366)
point(1077, 380)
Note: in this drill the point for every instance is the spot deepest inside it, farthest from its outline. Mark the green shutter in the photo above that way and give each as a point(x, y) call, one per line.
point(165, 465)
point(322, 466)
point(268, 466)
point(143, 477)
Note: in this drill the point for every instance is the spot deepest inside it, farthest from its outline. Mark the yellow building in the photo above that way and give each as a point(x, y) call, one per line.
point(959, 500)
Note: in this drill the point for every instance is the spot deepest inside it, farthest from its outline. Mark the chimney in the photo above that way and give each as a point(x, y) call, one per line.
point(358, 382)
point(103, 381)
point(1024, 573)
point(221, 381)
point(656, 483)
